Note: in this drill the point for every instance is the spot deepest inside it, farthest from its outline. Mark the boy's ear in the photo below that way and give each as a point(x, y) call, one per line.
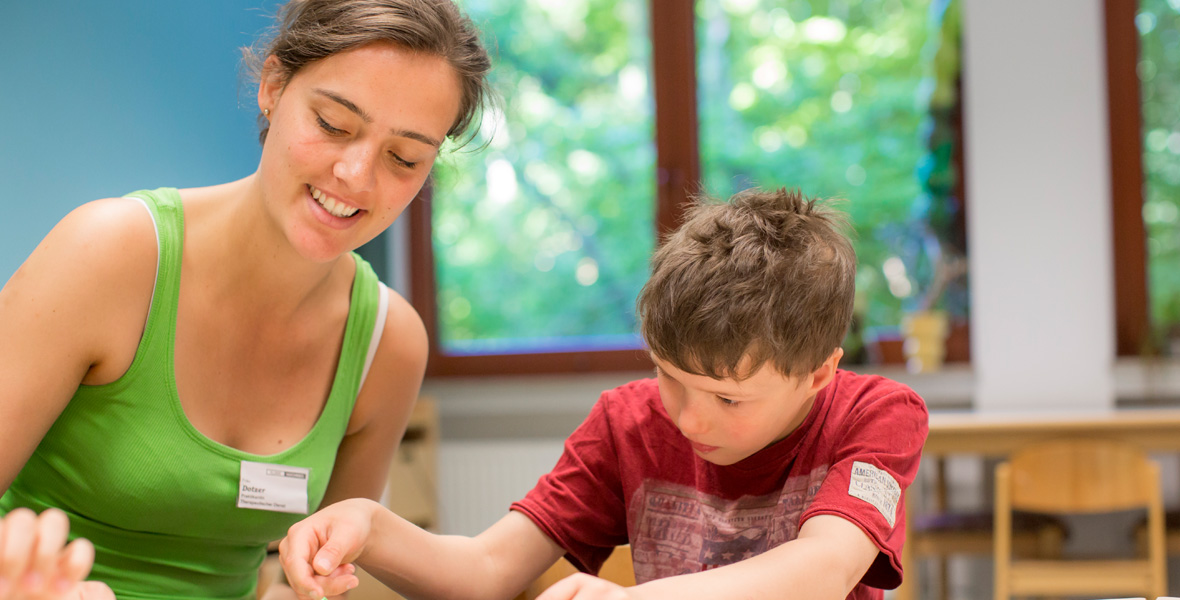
point(824, 374)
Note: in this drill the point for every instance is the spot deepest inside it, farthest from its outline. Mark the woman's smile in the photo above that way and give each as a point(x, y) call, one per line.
point(334, 206)
point(326, 210)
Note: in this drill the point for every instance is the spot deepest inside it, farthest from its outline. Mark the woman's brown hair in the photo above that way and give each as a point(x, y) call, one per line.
point(311, 30)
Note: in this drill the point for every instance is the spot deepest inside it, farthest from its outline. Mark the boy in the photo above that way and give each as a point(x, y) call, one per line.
point(750, 467)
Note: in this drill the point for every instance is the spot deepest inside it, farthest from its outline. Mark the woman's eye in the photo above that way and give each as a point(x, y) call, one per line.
point(328, 128)
point(403, 162)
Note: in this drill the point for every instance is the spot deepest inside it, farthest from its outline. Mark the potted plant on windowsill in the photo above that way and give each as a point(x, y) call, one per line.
point(931, 246)
point(929, 276)
point(927, 326)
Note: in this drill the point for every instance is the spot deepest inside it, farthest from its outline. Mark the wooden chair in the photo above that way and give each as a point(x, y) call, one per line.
point(937, 534)
point(617, 568)
point(1078, 476)
point(941, 536)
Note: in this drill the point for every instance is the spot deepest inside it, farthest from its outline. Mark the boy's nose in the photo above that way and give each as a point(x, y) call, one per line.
point(691, 421)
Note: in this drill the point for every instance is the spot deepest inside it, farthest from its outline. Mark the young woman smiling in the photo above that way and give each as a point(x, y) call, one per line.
point(189, 372)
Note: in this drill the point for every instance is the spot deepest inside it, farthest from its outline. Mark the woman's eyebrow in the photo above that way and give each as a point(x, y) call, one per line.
point(368, 119)
point(346, 103)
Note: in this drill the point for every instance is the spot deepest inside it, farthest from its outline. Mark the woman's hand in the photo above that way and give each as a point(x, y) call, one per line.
point(37, 564)
point(318, 551)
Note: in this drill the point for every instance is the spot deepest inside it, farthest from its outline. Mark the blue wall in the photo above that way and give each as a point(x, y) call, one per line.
point(102, 98)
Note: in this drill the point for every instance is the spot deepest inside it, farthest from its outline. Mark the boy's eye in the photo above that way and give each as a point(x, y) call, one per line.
point(727, 401)
point(328, 128)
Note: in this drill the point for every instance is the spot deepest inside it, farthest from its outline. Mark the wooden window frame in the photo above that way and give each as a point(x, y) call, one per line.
point(1129, 235)
point(677, 169)
point(678, 172)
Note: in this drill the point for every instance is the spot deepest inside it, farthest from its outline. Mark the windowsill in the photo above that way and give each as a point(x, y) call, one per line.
point(542, 406)
point(551, 406)
point(1142, 382)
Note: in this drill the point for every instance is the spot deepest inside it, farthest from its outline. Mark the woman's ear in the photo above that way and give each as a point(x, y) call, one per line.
point(270, 84)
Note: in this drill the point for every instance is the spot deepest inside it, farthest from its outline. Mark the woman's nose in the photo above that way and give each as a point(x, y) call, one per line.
point(356, 168)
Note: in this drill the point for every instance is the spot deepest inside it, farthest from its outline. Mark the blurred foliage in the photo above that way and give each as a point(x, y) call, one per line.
point(1159, 71)
point(834, 97)
point(542, 238)
point(545, 234)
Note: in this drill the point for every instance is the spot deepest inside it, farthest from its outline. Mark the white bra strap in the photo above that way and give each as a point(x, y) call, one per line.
point(378, 329)
point(159, 252)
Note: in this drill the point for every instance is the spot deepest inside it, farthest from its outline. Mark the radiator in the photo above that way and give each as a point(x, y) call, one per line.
point(479, 479)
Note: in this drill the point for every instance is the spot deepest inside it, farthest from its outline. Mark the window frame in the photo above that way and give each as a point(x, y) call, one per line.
point(678, 171)
point(677, 166)
point(1129, 235)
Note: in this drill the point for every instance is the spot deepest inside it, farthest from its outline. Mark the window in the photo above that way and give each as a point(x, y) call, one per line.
point(613, 110)
point(1143, 62)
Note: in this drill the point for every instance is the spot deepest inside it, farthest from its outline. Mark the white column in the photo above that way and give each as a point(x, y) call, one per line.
point(1039, 204)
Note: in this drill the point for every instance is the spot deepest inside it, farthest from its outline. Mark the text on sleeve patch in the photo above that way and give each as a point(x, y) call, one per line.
point(877, 487)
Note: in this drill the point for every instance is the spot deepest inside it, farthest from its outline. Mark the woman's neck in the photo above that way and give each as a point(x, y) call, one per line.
point(237, 253)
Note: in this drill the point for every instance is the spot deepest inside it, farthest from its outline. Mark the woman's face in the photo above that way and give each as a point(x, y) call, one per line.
point(352, 139)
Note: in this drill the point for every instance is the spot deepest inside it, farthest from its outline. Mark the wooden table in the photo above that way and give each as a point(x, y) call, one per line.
point(996, 435)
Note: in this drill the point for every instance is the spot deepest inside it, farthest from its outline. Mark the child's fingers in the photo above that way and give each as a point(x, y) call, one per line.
point(581, 586)
point(18, 533)
point(295, 552)
point(338, 581)
point(328, 558)
point(51, 532)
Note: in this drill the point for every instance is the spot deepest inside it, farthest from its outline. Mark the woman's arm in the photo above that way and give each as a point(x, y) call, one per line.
point(383, 407)
point(72, 313)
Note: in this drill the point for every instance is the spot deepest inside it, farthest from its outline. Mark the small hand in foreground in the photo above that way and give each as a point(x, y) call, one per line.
point(318, 551)
point(581, 586)
point(36, 563)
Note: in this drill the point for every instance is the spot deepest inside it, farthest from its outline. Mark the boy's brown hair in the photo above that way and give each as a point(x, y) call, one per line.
point(769, 276)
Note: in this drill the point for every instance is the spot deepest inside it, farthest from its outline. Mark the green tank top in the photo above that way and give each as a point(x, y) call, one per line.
point(158, 499)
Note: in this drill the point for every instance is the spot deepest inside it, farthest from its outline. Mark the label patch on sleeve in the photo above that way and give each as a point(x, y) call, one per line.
point(877, 487)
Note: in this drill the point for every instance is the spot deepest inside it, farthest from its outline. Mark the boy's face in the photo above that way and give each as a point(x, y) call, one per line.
point(727, 420)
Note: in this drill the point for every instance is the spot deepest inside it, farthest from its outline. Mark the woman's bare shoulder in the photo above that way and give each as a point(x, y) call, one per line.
point(105, 235)
point(82, 295)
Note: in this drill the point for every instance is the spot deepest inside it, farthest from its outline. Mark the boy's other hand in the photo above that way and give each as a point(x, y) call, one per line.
point(37, 564)
point(318, 551)
point(581, 586)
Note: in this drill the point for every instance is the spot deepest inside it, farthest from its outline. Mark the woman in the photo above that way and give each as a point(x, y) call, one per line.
point(188, 372)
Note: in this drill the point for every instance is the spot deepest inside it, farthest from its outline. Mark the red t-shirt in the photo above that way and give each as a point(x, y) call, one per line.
point(628, 476)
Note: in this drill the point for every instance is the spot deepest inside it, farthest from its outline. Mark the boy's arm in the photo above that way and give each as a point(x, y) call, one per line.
point(825, 562)
point(495, 565)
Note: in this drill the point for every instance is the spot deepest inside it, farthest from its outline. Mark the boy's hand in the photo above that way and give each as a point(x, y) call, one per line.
point(318, 551)
point(37, 564)
point(581, 586)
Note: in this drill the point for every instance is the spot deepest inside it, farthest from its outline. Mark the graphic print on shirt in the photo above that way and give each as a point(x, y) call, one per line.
point(677, 529)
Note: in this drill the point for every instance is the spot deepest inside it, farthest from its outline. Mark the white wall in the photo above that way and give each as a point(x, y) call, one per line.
point(1038, 197)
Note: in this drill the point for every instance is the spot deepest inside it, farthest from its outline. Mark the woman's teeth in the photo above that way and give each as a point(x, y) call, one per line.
point(336, 209)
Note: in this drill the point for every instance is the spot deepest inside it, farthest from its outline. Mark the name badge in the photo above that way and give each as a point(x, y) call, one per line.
point(277, 488)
